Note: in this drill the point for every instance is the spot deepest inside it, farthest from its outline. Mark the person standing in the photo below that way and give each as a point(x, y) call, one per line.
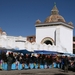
point(66, 63)
point(0, 63)
point(9, 61)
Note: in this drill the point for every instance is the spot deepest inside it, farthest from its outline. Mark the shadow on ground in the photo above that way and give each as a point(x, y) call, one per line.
point(60, 74)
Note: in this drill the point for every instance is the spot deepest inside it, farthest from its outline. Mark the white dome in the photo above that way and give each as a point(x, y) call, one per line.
point(4, 33)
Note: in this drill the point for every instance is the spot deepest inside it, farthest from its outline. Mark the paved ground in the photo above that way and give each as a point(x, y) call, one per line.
point(52, 71)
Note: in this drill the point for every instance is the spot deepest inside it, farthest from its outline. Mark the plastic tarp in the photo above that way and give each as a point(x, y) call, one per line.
point(21, 51)
point(68, 54)
point(44, 52)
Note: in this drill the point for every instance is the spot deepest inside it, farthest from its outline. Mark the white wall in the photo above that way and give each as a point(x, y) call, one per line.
point(66, 38)
point(10, 42)
point(63, 38)
point(57, 35)
point(42, 32)
point(3, 42)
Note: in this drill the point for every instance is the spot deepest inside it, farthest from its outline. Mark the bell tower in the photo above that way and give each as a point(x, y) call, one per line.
point(55, 31)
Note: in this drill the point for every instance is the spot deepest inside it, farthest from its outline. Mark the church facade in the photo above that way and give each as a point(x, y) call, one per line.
point(54, 34)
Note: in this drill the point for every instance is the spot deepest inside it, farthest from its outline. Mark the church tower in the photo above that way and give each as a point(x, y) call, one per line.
point(55, 31)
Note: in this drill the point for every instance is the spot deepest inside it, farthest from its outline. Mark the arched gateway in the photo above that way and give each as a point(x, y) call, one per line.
point(48, 40)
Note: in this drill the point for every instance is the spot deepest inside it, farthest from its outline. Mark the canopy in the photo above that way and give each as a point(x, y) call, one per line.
point(44, 52)
point(21, 51)
point(68, 54)
point(3, 49)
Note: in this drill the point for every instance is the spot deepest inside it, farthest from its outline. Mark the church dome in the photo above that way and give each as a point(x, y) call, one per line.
point(54, 17)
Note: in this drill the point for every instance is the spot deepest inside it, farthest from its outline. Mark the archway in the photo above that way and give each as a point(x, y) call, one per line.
point(48, 40)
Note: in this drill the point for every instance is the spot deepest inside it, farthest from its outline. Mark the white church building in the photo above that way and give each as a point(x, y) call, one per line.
point(54, 34)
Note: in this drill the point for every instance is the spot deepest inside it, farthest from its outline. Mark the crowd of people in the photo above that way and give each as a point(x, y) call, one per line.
point(46, 60)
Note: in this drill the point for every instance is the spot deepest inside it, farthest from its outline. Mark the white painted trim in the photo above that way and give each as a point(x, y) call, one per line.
point(54, 23)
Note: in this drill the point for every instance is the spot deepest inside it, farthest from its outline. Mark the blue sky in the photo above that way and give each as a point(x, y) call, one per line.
point(18, 17)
